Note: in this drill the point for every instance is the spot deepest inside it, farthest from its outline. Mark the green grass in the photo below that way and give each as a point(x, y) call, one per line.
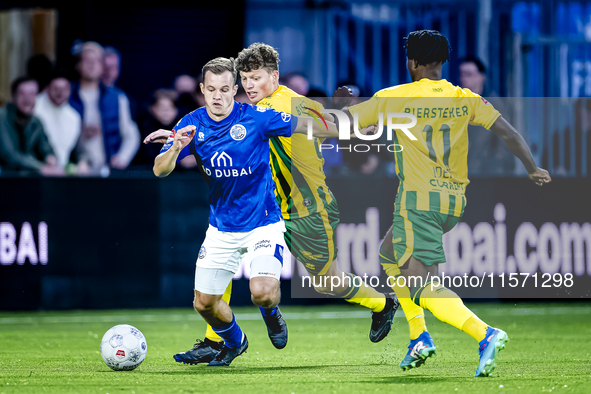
point(328, 352)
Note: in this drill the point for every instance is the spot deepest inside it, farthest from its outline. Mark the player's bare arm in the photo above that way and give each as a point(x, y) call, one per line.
point(317, 130)
point(165, 162)
point(519, 148)
point(159, 136)
point(331, 131)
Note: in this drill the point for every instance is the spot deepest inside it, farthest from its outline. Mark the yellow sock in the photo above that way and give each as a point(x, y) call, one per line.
point(449, 308)
point(475, 327)
point(209, 332)
point(368, 297)
point(415, 315)
point(358, 293)
point(417, 325)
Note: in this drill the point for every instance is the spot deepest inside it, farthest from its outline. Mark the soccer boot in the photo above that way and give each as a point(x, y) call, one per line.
point(202, 352)
point(227, 355)
point(418, 351)
point(277, 329)
point(381, 322)
point(489, 347)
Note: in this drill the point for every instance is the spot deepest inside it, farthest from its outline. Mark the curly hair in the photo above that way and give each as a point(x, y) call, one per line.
point(257, 56)
point(427, 46)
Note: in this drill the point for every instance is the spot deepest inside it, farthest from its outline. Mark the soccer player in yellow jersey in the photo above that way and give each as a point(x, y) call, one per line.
point(433, 174)
point(309, 208)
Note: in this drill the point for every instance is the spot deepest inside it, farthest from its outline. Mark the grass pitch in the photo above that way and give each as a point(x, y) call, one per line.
point(328, 352)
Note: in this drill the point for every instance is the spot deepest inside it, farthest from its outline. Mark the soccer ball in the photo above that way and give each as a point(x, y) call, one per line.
point(123, 347)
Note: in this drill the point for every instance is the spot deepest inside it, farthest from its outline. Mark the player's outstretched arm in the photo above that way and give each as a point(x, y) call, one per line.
point(322, 130)
point(328, 130)
point(519, 148)
point(158, 137)
point(165, 162)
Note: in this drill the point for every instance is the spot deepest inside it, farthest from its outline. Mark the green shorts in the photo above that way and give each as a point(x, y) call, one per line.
point(312, 239)
point(420, 234)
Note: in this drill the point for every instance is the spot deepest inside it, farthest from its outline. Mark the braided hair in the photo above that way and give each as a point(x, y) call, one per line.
point(427, 46)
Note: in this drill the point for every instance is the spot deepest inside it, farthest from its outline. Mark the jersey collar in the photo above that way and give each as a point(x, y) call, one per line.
point(427, 80)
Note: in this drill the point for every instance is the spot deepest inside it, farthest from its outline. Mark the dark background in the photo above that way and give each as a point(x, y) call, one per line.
point(157, 40)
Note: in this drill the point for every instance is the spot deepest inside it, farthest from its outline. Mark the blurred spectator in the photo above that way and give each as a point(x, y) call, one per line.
point(23, 143)
point(198, 95)
point(184, 83)
point(109, 135)
point(39, 67)
point(185, 86)
point(299, 83)
point(61, 122)
point(112, 67)
point(111, 72)
point(487, 154)
point(161, 114)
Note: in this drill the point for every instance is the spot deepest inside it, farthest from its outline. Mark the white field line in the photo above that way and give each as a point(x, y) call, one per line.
point(69, 318)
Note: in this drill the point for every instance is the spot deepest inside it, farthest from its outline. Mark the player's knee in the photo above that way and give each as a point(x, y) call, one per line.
point(264, 300)
point(264, 292)
point(263, 296)
point(325, 284)
point(321, 286)
point(324, 290)
point(203, 303)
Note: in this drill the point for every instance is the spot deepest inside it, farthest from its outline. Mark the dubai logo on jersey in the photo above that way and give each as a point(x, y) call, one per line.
point(317, 116)
point(224, 161)
point(238, 132)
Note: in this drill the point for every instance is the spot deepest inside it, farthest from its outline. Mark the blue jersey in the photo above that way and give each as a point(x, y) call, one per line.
point(233, 155)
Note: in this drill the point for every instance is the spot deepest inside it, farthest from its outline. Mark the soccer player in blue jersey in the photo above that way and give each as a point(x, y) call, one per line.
point(230, 142)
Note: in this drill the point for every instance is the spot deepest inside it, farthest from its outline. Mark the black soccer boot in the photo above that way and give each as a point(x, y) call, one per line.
point(381, 322)
point(227, 355)
point(202, 352)
point(277, 329)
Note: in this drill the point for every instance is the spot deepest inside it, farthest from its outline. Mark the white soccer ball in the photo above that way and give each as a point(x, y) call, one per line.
point(123, 347)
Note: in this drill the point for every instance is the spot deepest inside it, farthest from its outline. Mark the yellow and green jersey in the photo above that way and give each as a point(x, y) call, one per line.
point(433, 170)
point(296, 161)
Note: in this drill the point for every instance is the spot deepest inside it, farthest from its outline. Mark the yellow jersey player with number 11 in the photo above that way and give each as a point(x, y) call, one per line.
point(433, 173)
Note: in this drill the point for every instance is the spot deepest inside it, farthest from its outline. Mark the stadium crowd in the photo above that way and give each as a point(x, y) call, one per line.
point(78, 122)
